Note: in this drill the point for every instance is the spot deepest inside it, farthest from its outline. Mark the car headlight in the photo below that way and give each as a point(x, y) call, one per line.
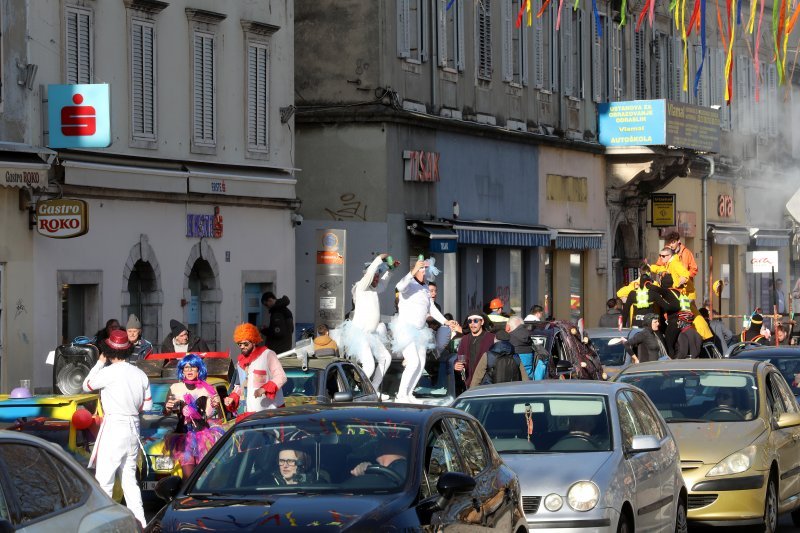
point(553, 502)
point(583, 496)
point(735, 463)
point(164, 462)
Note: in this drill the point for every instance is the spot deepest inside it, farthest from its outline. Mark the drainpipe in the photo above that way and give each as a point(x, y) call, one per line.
point(434, 52)
point(706, 290)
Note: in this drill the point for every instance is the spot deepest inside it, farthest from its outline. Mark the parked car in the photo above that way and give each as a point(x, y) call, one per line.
point(588, 454)
point(43, 489)
point(325, 380)
point(737, 424)
point(419, 467)
point(614, 356)
point(785, 358)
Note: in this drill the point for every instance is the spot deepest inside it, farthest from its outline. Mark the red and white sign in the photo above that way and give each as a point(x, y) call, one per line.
point(761, 262)
point(420, 166)
point(64, 218)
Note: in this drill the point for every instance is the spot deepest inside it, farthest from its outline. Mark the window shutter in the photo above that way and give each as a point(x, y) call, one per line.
point(508, 41)
point(702, 88)
point(598, 61)
point(659, 66)
point(538, 46)
point(484, 39)
point(751, 85)
point(460, 35)
point(78, 46)
point(577, 49)
point(639, 65)
point(552, 67)
point(719, 74)
point(617, 61)
point(143, 79)
point(258, 96)
point(203, 112)
point(523, 53)
point(403, 29)
point(676, 69)
point(567, 59)
point(742, 95)
point(422, 30)
point(441, 30)
point(772, 98)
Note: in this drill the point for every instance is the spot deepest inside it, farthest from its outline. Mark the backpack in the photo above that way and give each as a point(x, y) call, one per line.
point(501, 367)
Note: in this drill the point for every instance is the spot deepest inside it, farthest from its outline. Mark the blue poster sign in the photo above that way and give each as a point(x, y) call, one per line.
point(636, 123)
point(78, 116)
point(443, 246)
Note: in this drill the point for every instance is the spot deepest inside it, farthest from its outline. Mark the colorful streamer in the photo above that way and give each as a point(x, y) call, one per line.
point(558, 17)
point(597, 19)
point(525, 7)
point(755, 48)
point(729, 58)
point(702, 46)
point(541, 9)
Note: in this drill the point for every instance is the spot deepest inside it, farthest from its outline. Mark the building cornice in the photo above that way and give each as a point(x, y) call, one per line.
point(202, 15)
point(154, 7)
point(259, 28)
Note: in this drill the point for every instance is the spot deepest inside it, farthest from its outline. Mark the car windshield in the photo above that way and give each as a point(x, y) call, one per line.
point(789, 367)
point(430, 384)
point(612, 355)
point(55, 431)
point(699, 395)
point(543, 423)
point(310, 457)
point(301, 383)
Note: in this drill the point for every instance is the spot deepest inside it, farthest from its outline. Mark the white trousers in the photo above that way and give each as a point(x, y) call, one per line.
point(368, 354)
point(117, 451)
point(414, 357)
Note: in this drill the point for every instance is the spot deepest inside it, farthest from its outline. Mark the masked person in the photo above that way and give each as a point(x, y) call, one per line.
point(753, 333)
point(362, 336)
point(648, 344)
point(261, 375)
point(195, 402)
point(124, 393)
point(411, 335)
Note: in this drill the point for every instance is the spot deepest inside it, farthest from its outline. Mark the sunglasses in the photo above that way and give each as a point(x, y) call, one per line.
point(287, 462)
point(474, 320)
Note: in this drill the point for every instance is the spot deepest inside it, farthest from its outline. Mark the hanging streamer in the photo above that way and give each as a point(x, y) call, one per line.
point(558, 17)
point(751, 22)
point(644, 12)
point(693, 20)
point(524, 8)
point(541, 9)
point(785, 38)
point(685, 81)
point(597, 19)
point(729, 58)
point(758, 43)
point(449, 5)
point(722, 33)
point(702, 46)
point(775, 40)
point(623, 9)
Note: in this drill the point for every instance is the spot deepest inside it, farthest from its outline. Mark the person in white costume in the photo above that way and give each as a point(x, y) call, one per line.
point(361, 336)
point(124, 393)
point(410, 334)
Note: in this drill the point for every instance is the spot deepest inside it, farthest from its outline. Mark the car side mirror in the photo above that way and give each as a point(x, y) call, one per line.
point(342, 397)
point(452, 483)
point(168, 488)
point(787, 420)
point(644, 443)
point(562, 365)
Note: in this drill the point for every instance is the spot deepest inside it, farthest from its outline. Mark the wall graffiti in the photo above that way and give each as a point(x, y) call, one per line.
point(20, 308)
point(350, 208)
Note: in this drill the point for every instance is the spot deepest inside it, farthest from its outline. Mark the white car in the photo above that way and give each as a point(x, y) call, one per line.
point(589, 454)
point(42, 489)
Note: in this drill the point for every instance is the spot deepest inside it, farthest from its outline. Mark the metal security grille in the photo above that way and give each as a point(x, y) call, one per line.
point(530, 504)
point(701, 500)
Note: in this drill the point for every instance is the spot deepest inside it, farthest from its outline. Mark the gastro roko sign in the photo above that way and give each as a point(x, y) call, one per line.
point(63, 218)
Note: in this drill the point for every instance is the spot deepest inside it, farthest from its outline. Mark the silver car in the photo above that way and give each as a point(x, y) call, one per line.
point(44, 489)
point(589, 454)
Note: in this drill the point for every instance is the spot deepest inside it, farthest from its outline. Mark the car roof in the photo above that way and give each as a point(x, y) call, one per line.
point(768, 351)
point(741, 365)
point(545, 386)
point(369, 412)
point(313, 363)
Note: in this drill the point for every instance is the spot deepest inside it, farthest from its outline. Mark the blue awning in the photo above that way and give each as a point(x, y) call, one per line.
point(485, 233)
point(771, 238)
point(579, 240)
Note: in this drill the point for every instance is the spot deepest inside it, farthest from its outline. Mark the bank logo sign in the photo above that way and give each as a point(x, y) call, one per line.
point(62, 219)
point(659, 123)
point(78, 116)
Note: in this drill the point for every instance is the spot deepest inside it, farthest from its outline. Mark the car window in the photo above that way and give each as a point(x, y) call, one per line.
point(440, 457)
point(629, 424)
point(471, 445)
point(353, 380)
point(648, 418)
point(789, 401)
point(774, 398)
point(31, 475)
point(333, 382)
point(75, 488)
point(300, 382)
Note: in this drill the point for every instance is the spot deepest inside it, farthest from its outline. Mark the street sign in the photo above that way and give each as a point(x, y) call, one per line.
point(78, 116)
point(662, 210)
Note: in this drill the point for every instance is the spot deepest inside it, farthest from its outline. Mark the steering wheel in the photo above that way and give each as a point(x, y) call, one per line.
point(727, 410)
point(385, 471)
point(578, 436)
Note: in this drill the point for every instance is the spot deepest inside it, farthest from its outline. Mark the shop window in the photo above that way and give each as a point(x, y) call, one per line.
point(575, 286)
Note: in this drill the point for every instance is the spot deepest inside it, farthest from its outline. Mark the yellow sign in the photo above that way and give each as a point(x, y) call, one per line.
point(662, 210)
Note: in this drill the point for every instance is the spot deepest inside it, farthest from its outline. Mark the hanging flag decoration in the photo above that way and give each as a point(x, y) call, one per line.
point(699, 73)
point(729, 59)
point(523, 8)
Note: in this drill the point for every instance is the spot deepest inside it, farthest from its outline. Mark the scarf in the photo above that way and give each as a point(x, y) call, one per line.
point(245, 360)
point(201, 384)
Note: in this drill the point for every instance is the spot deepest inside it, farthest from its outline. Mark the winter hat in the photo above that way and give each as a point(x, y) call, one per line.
point(685, 316)
point(176, 328)
point(133, 322)
point(649, 317)
point(246, 332)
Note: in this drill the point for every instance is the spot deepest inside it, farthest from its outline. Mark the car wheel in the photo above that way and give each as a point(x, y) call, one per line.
point(681, 522)
point(624, 524)
point(771, 507)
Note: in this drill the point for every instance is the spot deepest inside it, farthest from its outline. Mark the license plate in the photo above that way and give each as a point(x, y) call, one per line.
point(149, 485)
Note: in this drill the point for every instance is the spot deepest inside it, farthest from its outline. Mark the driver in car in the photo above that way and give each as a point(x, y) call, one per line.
point(392, 455)
point(727, 400)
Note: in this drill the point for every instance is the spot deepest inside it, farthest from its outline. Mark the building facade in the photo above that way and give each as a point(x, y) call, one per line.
point(190, 207)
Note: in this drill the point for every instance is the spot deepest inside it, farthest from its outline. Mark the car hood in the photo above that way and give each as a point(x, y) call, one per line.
point(277, 511)
point(543, 473)
point(711, 442)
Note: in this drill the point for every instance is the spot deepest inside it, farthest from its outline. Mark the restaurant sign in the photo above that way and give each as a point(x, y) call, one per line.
point(35, 178)
point(62, 218)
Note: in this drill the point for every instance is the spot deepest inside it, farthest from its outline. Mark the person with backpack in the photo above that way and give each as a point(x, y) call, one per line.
point(499, 365)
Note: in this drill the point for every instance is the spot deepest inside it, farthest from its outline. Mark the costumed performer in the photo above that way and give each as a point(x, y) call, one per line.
point(261, 375)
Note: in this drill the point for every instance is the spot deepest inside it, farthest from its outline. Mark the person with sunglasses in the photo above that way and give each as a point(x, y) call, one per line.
point(472, 347)
point(292, 468)
point(681, 278)
point(260, 371)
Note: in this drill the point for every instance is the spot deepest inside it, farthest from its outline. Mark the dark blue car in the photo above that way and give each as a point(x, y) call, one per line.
point(355, 468)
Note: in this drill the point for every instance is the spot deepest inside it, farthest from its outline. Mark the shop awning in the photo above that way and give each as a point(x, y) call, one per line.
point(24, 165)
point(574, 239)
point(442, 237)
point(723, 234)
point(771, 238)
point(488, 233)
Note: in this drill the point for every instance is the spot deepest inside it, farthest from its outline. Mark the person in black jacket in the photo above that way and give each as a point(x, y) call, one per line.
point(278, 332)
point(648, 344)
point(180, 339)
